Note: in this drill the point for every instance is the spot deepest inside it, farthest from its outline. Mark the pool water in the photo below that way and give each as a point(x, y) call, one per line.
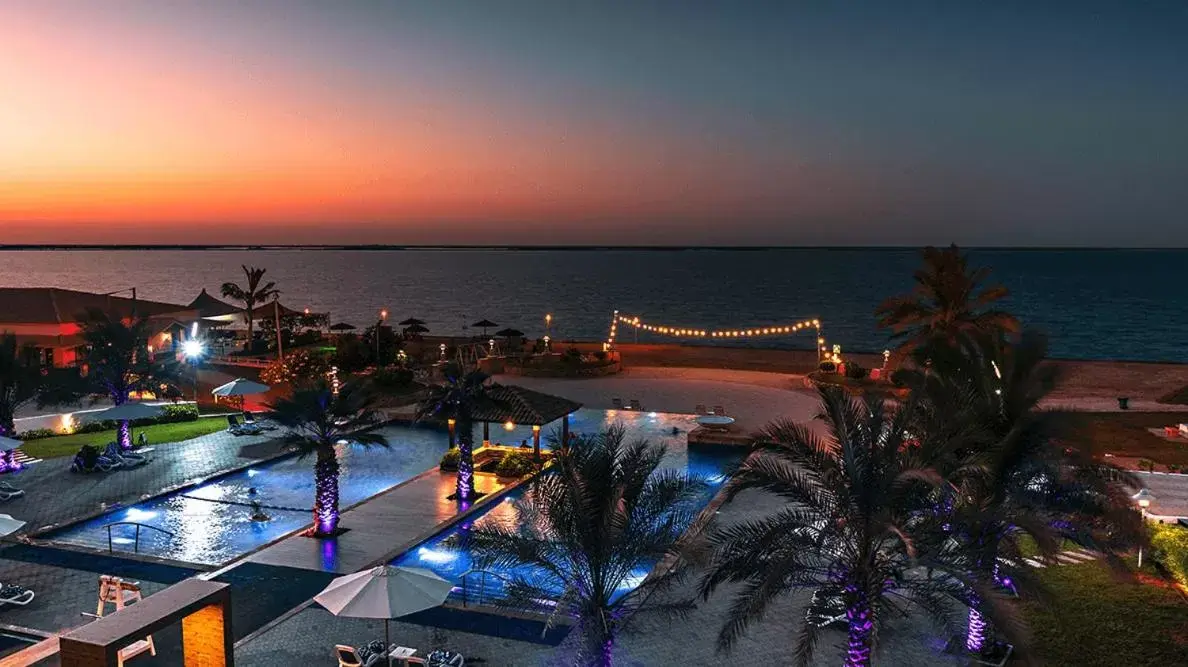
point(211, 523)
point(447, 555)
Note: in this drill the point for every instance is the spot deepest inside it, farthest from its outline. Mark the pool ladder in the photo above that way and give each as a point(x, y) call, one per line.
point(481, 593)
point(136, 544)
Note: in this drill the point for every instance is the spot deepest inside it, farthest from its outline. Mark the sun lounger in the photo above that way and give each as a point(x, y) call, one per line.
point(107, 462)
point(10, 492)
point(126, 459)
point(235, 427)
point(634, 405)
point(249, 419)
point(16, 595)
point(443, 658)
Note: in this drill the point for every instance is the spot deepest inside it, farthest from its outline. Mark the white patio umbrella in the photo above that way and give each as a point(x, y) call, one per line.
point(126, 412)
point(8, 444)
point(9, 525)
point(240, 387)
point(384, 592)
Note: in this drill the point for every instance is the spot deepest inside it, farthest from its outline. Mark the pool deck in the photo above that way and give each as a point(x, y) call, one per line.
point(379, 528)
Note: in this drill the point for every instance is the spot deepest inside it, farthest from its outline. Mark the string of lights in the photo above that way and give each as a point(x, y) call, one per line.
point(691, 332)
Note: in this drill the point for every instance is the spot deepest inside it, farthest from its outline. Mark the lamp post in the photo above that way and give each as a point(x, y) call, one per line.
point(548, 323)
point(1143, 498)
point(192, 350)
point(383, 316)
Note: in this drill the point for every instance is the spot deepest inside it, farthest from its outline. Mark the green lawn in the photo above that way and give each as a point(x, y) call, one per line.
point(1095, 619)
point(158, 434)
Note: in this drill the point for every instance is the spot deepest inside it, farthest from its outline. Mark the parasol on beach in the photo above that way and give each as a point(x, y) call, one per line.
point(509, 333)
point(484, 325)
point(342, 326)
point(411, 322)
point(385, 592)
point(416, 328)
point(240, 387)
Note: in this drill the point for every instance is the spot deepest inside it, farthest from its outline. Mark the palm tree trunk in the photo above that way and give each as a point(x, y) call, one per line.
point(861, 631)
point(250, 326)
point(465, 490)
point(326, 493)
point(125, 435)
point(7, 423)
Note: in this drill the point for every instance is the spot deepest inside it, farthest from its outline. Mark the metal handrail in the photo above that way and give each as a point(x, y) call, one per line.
point(136, 543)
point(481, 595)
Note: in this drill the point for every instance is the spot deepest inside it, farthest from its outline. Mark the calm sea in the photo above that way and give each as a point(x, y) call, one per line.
point(1130, 304)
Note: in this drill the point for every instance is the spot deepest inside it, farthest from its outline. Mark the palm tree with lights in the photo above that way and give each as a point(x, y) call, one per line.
point(318, 421)
point(1030, 490)
point(119, 364)
point(588, 532)
point(857, 526)
point(950, 303)
point(456, 399)
point(250, 295)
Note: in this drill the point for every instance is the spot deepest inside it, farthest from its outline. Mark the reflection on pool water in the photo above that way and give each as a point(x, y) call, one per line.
point(211, 523)
point(447, 555)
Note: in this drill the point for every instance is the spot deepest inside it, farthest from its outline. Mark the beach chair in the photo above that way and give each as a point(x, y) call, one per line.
point(444, 658)
point(249, 419)
point(106, 462)
point(634, 405)
point(719, 410)
point(10, 492)
point(126, 459)
point(367, 656)
point(699, 409)
point(617, 403)
point(15, 595)
point(235, 427)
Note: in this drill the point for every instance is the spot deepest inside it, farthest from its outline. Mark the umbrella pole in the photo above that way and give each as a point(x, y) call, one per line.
point(387, 643)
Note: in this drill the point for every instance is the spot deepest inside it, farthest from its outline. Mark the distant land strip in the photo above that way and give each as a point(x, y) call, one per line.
point(576, 248)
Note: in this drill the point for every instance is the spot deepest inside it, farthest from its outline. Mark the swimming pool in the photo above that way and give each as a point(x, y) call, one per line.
point(211, 523)
point(447, 555)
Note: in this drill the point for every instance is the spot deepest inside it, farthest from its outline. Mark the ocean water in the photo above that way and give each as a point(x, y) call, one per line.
point(1095, 304)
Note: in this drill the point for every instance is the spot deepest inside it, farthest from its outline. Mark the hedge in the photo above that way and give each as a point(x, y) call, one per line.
point(172, 415)
point(1171, 549)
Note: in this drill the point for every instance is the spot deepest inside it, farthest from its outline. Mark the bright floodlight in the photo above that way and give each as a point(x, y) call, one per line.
point(1143, 497)
point(192, 348)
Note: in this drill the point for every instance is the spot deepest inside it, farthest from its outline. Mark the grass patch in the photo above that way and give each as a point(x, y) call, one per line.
point(158, 434)
point(1097, 620)
point(1126, 434)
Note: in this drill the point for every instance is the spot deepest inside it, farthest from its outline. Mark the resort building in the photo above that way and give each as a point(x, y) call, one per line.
point(48, 318)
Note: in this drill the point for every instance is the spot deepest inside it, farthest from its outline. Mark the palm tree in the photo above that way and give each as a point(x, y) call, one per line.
point(457, 398)
point(317, 421)
point(858, 526)
point(118, 364)
point(250, 296)
point(949, 302)
point(587, 532)
point(1029, 489)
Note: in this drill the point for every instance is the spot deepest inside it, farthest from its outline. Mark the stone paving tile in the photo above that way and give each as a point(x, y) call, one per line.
point(53, 494)
point(309, 637)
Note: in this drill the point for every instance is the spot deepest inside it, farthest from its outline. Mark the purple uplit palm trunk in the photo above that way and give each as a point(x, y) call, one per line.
point(125, 435)
point(861, 631)
point(465, 491)
point(975, 636)
point(606, 659)
point(326, 493)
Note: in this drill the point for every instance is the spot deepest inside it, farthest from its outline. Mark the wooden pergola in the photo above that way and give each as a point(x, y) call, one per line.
point(517, 405)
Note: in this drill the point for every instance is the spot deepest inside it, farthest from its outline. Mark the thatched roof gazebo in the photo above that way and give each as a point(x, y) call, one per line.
point(517, 405)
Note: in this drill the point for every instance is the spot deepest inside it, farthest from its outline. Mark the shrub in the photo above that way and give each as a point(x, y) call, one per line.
point(900, 377)
point(855, 371)
point(87, 457)
point(1171, 467)
point(449, 460)
point(296, 368)
point(1170, 543)
point(600, 355)
point(515, 464)
point(36, 434)
point(392, 378)
point(1146, 464)
point(827, 367)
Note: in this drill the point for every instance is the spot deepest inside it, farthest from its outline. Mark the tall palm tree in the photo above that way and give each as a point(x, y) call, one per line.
point(457, 398)
point(250, 295)
point(118, 363)
point(950, 302)
point(857, 526)
point(1030, 489)
point(588, 531)
point(21, 380)
point(317, 420)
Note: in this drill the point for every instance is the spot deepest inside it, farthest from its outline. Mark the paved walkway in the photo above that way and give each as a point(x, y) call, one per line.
point(378, 528)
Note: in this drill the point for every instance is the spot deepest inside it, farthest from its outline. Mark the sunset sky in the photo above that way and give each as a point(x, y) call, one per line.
point(634, 122)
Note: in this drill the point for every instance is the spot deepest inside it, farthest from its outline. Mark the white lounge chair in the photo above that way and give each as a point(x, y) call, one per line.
point(127, 459)
point(16, 595)
point(10, 492)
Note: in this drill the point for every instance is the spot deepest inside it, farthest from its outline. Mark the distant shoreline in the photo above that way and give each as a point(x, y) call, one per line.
point(553, 248)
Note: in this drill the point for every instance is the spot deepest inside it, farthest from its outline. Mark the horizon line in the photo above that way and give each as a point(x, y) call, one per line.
point(547, 247)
